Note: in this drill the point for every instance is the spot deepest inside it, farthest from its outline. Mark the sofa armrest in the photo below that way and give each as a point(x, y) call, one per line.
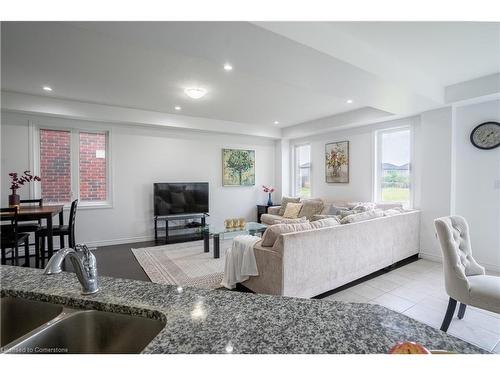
point(273, 210)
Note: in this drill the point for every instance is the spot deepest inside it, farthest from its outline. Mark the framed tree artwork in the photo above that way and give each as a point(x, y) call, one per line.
point(337, 162)
point(238, 167)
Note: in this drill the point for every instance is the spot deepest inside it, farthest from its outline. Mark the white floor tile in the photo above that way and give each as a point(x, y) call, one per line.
point(425, 315)
point(383, 284)
point(367, 291)
point(412, 292)
point(496, 349)
point(473, 334)
point(483, 320)
point(393, 302)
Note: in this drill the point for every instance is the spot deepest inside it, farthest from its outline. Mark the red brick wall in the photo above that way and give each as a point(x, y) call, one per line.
point(55, 165)
point(92, 168)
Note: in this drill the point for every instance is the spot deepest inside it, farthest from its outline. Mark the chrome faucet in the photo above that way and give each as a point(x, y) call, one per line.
point(84, 263)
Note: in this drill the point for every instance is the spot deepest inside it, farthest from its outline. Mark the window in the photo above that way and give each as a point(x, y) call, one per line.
point(302, 185)
point(74, 164)
point(394, 166)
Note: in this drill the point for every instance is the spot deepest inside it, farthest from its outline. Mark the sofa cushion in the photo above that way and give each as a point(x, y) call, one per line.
point(319, 217)
point(284, 202)
point(272, 232)
point(269, 219)
point(292, 210)
point(362, 216)
point(324, 223)
point(311, 207)
point(298, 220)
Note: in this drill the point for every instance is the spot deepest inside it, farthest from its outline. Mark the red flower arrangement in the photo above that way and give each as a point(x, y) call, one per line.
point(16, 182)
point(268, 189)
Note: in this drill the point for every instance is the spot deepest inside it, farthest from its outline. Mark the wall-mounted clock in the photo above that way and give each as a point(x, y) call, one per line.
point(486, 136)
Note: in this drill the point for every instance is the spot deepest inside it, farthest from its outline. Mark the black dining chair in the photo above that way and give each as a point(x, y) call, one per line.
point(57, 230)
point(12, 238)
point(31, 226)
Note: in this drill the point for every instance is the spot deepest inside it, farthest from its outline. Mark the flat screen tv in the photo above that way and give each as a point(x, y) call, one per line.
point(180, 198)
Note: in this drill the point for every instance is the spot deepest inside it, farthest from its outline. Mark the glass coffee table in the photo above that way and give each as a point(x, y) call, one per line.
point(217, 232)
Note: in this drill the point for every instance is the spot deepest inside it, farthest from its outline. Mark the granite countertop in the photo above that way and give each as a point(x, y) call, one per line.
point(220, 321)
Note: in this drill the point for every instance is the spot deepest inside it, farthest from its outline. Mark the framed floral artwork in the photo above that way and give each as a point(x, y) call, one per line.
point(337, 162)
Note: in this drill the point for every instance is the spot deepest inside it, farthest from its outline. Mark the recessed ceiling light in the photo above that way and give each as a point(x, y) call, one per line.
point(195, 92)
point(177, 108)
point(276, 122)
point(349, 101)
point(47, 88)
point(228, 67)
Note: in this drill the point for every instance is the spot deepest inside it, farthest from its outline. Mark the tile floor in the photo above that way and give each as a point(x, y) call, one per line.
point(417, 290)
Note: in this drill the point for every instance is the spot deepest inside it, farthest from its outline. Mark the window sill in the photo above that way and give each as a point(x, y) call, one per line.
point(91, 206)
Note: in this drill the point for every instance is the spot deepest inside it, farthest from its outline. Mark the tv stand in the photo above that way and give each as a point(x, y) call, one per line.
point(189, 222)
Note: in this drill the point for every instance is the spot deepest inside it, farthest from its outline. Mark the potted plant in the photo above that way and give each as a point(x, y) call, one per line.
point(16, 182)
point(269, 190)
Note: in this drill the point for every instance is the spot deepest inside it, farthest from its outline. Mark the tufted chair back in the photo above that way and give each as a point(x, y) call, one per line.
point(458, 263)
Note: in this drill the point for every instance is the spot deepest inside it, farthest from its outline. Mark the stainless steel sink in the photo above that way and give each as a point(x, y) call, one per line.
point(20, 316)
point(88, 331)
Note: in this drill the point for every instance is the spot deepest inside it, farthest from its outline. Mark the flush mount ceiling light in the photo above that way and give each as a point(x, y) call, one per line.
point(349, 101)
point(276, 122)
point(228, 67)
point(47, 88)
point(177, 108)
point(195, 92)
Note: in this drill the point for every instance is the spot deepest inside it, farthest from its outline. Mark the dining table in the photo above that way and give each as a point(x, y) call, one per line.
point(45, 212)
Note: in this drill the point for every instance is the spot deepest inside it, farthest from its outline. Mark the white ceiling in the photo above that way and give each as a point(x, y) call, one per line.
point(288, 71)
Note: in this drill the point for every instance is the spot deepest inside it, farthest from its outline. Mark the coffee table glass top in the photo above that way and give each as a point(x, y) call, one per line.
point(249, 228)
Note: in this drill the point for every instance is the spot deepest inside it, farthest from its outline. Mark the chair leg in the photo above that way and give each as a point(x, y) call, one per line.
point(27, 252)
point(37, 251)
point(16, 255)
point(452, 304)
point(61, 241)
point(4, 261)
point(42, 250)
point(461, 310)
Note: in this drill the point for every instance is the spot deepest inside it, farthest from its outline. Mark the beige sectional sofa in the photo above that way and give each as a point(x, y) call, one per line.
point(311, 262)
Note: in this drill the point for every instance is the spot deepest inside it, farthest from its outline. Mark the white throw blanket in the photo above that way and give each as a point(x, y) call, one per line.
point(240, 261)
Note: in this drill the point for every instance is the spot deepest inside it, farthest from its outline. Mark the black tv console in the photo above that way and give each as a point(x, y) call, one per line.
point(189, 227)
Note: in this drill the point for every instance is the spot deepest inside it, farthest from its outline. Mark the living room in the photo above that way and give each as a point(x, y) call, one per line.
point(320, 171)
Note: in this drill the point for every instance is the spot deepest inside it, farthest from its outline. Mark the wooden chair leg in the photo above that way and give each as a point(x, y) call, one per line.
point(16, 255)
point(42, 250)
point(27, 252)
point(461, 310)
point(450, 311)
point(61, 241)
point(4, 261)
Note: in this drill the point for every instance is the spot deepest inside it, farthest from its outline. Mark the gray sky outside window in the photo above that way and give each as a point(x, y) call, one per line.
point(396, 147)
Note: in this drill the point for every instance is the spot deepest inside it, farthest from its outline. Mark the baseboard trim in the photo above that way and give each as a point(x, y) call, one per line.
point(119, 241)
point(439, 259)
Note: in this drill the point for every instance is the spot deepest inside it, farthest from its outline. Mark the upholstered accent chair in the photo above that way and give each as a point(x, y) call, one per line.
point(465, 280)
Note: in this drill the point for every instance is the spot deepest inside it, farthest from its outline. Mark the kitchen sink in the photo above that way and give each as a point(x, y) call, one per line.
point(20, 316)
point(88, 331)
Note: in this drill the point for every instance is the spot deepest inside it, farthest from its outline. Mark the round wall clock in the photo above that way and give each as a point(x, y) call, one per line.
point(486, 136)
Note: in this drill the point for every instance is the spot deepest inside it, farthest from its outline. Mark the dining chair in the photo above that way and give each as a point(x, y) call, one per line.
point(465, 280)
point(57, 230)
point(11, 237)
point(30, 226)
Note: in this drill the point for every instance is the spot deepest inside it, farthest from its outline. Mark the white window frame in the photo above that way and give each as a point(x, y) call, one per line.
point(296, 169)
point(377, 191)
point(34, 153)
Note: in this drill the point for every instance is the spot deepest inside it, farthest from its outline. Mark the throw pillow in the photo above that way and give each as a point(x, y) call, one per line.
point(362, 216)
point(335, 210)
point(311, 207)
point(284, 203)
point(364, 206)
point(291, 221)
point(292, 210)
point(272, 232)
point(319, 217)
point(393, 211)
point(344, 213)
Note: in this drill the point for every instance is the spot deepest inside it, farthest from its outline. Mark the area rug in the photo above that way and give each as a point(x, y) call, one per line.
point(183, 264)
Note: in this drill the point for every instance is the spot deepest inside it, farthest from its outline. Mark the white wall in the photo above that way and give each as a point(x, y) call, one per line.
point(139, 157)
point(433, 161)
point(476, 193)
